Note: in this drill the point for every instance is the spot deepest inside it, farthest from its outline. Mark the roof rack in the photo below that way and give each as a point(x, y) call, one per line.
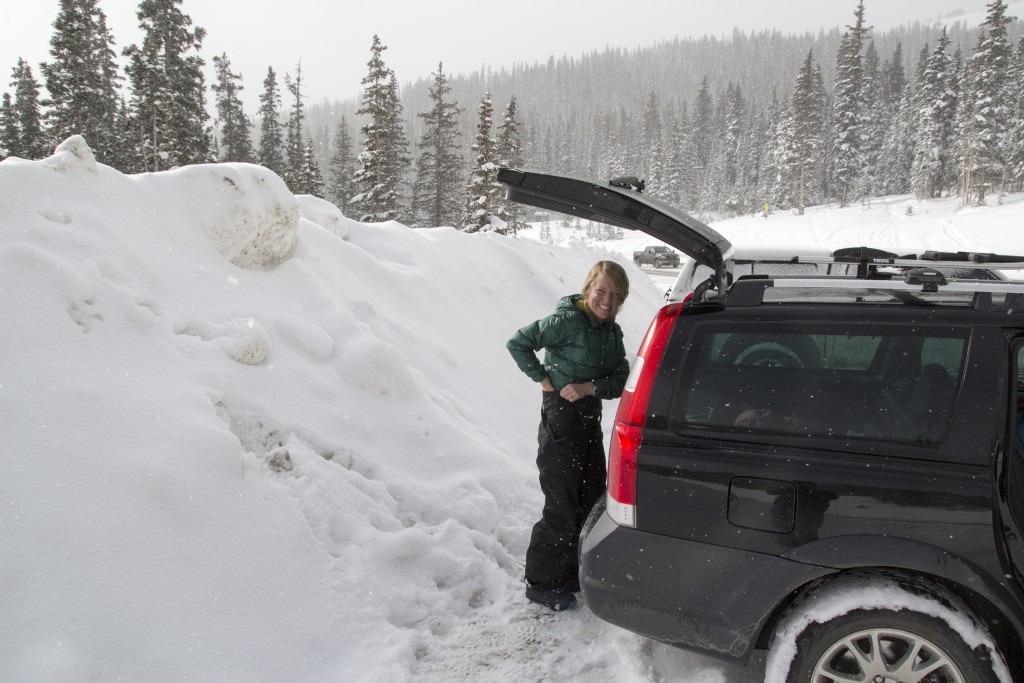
point(919, 286)
point(868, 260)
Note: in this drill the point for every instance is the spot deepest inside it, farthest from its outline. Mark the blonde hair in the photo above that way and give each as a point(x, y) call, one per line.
point(615, 273)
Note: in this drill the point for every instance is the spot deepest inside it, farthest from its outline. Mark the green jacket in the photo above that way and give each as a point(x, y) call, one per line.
point(576, 347)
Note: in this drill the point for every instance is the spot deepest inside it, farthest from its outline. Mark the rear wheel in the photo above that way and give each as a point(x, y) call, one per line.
point(882, 645)
point(895, 636)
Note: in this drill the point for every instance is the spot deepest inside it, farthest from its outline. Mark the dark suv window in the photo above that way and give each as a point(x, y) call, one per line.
point(874, 383)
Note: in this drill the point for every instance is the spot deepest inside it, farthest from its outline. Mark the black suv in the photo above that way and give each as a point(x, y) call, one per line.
point(824, 467)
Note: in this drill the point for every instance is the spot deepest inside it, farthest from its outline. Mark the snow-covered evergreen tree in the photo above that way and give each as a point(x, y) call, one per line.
point(340, 184)
point(9, 136)
point(83, 80)
point(804, 136)
point(651, 162)
point(437, 190)
point(1015, 164)
point(310, 179)
point(271, 149)
point(677, 169)
point(873, 120)
point(31, 142)
point(168, 103)
point(483, 191)
point(733, 128)
point(295, 145)
point(986, 139)
point(510, 154)
point(385, 150)
point(849, 111)
point(235, 127)
point(897, 153)
point(701, 147)
point(935, 102)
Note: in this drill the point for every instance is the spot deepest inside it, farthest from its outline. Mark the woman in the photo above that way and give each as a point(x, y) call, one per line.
point(584, 362)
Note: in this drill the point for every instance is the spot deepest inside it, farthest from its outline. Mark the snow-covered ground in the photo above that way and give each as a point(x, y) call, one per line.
point(248, 439)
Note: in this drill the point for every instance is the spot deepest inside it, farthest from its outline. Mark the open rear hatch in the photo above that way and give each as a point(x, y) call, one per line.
point(616, 202)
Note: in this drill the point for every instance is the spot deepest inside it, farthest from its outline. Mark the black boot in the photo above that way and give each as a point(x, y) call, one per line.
point(557, 599)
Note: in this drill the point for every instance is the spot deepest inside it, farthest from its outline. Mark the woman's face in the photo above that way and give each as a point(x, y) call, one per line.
point(604, 298)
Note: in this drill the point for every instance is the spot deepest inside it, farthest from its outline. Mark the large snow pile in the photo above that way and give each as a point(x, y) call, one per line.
point(248, 439)
point(240, 447)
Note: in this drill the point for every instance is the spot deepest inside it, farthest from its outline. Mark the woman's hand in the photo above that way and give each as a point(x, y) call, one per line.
point(546, 384)
point(574, 392)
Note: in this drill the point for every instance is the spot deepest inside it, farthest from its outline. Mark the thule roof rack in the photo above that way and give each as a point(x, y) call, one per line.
point(869, 260)
point(920, 287)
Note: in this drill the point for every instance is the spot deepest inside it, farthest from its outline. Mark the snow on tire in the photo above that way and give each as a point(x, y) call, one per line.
point(872, 628)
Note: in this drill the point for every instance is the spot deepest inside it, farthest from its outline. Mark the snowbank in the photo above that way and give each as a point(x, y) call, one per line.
point(248, 444)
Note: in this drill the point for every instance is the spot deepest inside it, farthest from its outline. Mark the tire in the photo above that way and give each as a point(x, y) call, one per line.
point(903, 641)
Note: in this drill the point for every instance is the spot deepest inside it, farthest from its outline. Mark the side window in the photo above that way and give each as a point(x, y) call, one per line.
point(877, 384)
point(943, 352)
point(1014, 467)
point(1018, 406)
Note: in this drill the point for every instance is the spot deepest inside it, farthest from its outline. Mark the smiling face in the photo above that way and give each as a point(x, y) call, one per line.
point(603, 298)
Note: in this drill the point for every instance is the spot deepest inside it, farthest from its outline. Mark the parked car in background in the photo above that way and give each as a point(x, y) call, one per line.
point(659, 257)
point(823, 466)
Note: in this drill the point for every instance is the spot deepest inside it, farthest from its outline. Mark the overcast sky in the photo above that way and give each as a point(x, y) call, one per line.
point(332, 38)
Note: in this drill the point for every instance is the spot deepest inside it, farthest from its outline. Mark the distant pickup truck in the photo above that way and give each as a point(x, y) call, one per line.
point(657, 257)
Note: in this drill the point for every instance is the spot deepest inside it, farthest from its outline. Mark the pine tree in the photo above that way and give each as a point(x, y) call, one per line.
point(1015, 164)
point(9, 135)
point(295, 148)
point(168, 93)
point(235, 128)
point(339, 187)
point(483, 190)
point(849, 107)
point(733, 115)
point(271, 152)
point(873, 121)
point(677, 170)
point(935, 103)
point(310, 180)
point(385, 149)
point(83, 80)
point(897, 158)
point(986, 140)
point(896, 154)
point(804, 135)
point(702, 140)
point(439, 168)
point(510, 154)
point(650, 145)
point(31, 142)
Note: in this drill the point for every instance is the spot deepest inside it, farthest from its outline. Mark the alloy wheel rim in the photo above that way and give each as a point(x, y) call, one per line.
point(885, 655)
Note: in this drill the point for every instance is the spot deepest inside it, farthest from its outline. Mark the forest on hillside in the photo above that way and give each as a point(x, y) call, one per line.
point(717, 125)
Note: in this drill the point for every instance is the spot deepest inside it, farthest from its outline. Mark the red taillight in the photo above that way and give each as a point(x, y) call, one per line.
point(624, 453)
point(622, 463)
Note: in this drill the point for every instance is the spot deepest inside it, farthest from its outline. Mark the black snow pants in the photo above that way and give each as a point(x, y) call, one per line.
point(571, 462)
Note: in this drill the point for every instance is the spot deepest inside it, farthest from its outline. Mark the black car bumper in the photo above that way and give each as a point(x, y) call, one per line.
point(693, 595)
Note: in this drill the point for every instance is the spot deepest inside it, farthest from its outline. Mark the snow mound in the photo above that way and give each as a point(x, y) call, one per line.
point(323, 213)
point(246, 211)
point(71, 154)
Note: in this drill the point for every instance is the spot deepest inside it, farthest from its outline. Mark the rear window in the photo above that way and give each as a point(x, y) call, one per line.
point(876, 384)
